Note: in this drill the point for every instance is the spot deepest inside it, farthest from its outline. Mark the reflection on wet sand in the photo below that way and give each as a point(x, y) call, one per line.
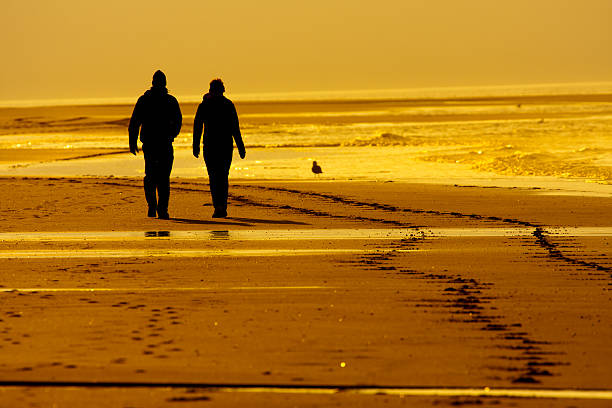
point(157, 234)
point(297, 234)
point(219, 235)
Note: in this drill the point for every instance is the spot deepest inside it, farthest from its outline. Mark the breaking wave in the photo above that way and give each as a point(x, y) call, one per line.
point(392, 139)
point(385, 139)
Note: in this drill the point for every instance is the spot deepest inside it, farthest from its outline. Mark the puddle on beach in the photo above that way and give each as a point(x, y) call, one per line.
point(178, 253)
point(438, 392)
point(544, 395)
point(169, 289)
point(295, 234)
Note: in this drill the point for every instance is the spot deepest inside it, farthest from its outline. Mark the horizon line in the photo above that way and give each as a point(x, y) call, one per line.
point(531, 89)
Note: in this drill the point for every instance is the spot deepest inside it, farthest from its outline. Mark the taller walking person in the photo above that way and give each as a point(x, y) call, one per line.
point(157, 117)
point(218, 116)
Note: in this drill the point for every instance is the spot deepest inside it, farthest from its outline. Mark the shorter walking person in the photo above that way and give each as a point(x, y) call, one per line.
point(217, 115)
point(157, 117)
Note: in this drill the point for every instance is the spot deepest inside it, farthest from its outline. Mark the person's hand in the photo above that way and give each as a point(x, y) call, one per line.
point(196, 151)
point(134, 149)
point(242, 153)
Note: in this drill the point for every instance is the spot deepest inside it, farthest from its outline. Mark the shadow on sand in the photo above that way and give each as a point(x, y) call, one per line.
point(245, 222)
point(205, 222)
point(267, 221)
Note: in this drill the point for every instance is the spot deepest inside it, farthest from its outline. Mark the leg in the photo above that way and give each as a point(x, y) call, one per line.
point(163, 184)
point(224, 184)
point(218, 169)
point(212, 184)
point(149, 183)
point(211, 168)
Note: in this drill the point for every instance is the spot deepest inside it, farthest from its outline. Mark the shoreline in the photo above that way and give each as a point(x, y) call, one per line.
point(287, 165)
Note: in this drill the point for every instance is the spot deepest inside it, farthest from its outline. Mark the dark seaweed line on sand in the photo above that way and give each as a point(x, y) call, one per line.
point(539, 232)
point(301, 210)
point(85, 156)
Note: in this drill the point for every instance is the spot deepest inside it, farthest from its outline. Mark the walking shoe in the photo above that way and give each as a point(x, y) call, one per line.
point(219, 214)
point(163, 216)
point(152, 213)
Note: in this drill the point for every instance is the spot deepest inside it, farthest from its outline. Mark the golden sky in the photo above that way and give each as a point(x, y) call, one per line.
point(80, 49)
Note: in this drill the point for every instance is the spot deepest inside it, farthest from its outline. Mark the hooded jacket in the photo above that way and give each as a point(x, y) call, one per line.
point(159, 115)
point(218, 116)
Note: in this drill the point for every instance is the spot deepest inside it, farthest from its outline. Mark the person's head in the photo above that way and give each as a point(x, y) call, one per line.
point(159, 78)
point(217, 87)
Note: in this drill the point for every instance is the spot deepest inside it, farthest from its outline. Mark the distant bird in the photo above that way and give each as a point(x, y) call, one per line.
point(316, 169)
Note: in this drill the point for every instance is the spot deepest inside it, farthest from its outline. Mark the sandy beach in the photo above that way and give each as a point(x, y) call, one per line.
point(311, 293)
point(455, 251)
point(419, 210)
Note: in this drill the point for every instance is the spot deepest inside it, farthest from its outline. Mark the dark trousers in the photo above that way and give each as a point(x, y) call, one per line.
point(158, 166)
point(218, 166)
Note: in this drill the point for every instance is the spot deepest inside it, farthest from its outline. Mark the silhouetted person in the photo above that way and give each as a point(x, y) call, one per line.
point(218, 116)
point(316, 169)
point(157, 117)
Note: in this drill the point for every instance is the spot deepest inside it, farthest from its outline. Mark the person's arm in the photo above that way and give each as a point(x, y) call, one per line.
point(134, 127)
point(198, 124)
point(178, 119)
point(236, 133)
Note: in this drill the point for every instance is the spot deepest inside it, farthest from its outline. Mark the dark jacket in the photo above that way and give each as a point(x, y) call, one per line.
point(159, 115)
point(218, 116)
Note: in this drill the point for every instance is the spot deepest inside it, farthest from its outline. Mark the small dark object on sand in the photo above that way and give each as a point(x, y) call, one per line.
point(316, 169)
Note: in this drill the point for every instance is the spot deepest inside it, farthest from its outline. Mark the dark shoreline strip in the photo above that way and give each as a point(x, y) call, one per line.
point(89, 156)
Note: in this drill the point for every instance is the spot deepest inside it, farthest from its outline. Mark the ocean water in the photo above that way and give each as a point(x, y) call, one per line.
point(498, 136)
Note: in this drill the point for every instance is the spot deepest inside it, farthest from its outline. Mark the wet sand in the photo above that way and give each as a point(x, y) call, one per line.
point(24, 157)
point(515, 301)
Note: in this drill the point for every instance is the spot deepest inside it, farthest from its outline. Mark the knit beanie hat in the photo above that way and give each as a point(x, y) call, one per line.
point(159, 78)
